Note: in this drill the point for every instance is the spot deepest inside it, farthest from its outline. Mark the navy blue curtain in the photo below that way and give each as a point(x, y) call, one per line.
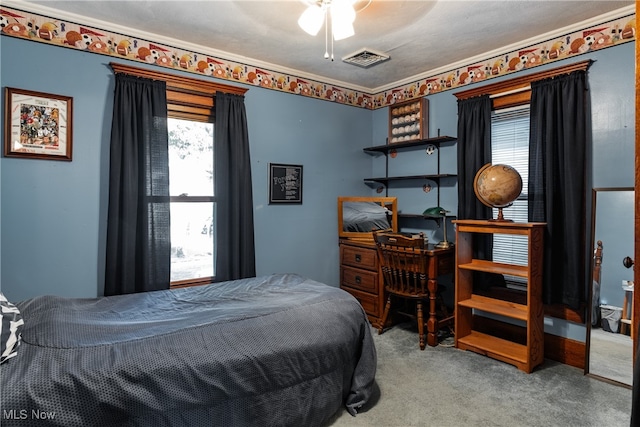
point(557, 183)
point(474, 151)
point(235, 252)
point(138, 256)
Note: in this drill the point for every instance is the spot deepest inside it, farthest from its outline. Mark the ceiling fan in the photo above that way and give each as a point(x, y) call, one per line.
point(336, 15)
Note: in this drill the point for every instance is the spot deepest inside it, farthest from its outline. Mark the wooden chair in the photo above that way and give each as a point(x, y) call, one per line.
point(404, 269)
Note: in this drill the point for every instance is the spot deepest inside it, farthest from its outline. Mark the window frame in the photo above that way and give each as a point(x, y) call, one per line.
point(515, 247)
point(188, 99)
point(193, 199)
point(516, 92)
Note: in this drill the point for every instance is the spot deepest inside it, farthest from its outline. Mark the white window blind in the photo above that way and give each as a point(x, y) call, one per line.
point(510, 146)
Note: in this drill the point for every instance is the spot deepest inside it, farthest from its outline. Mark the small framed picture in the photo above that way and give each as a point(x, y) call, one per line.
point(37, 125)
point(285, 184)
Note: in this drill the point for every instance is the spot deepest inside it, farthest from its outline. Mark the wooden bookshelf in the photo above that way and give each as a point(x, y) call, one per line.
point(468, 303)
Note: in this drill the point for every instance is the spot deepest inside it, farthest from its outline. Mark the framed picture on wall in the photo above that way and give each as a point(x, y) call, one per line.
point(37, 125)
point(285, 184)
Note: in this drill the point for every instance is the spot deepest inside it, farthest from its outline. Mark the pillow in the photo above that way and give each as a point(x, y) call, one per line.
point(10, 329)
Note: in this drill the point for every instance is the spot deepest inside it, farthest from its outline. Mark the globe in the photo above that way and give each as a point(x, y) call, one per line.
point(497, 186)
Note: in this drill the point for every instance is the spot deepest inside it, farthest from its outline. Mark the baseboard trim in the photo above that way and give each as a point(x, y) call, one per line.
point(561, 349)
point(565, 350)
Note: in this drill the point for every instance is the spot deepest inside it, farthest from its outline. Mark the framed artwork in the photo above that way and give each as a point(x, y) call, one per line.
point(37, 125)
point(285, 184)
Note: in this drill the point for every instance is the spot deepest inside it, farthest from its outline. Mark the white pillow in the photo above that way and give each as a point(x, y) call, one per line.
point(10, 329)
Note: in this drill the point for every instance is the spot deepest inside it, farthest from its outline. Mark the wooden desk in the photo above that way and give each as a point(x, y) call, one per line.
point(439, 262)
point(360, 276)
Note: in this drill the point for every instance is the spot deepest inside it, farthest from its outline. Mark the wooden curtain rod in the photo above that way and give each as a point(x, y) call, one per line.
point(511, 92)
point(522, 83)
point(177, 83)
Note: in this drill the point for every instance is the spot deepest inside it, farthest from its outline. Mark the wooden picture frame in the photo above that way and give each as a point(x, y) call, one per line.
point(38, 125)
point(285, 184)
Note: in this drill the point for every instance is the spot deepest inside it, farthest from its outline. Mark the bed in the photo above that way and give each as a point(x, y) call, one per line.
point(275, 350)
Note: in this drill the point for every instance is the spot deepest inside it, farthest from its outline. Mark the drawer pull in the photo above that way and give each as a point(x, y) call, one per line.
point(358, 280)
point(358, 258)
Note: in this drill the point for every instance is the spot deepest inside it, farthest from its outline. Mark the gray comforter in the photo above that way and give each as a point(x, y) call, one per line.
point(279, 350)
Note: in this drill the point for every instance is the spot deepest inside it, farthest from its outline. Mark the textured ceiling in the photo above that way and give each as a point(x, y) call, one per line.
point(419, 36)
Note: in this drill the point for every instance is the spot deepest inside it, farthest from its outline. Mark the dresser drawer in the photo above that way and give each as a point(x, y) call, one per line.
point(368, 301)
point(359, 257)
point(364, 280)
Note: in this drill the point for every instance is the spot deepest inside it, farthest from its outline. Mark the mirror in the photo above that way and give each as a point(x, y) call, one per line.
point(358, 217)
point(609, 342)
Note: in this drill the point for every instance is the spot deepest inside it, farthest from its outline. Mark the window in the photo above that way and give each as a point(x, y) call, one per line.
point(192, 200)
point(190, 106)
point(516, 92)
point(510, 145)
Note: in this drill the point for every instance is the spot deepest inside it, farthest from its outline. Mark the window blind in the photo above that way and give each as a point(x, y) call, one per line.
point(510, 146)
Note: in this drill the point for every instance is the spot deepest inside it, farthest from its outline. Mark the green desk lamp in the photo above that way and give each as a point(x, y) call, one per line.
point(438, 212)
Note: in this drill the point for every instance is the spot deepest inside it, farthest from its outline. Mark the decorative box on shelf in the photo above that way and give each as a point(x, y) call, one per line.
point(409, 121)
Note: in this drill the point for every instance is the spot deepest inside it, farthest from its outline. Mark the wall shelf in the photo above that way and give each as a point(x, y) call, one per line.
point(410, 144)
point(386, 179)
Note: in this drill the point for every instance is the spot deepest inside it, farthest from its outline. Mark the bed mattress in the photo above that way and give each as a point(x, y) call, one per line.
point(276, 350)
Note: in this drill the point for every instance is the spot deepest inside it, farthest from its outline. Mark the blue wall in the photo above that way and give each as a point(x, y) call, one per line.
point(612, 89)
point(54, 213)
point(327, 139)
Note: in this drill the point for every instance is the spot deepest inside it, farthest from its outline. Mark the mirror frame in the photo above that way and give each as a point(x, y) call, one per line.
point(390, 203)
point(587, 370)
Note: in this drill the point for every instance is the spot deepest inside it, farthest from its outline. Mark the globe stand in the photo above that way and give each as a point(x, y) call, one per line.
point(500, 217)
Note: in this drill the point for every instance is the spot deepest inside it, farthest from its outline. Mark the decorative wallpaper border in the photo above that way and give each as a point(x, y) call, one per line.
point(39, 28)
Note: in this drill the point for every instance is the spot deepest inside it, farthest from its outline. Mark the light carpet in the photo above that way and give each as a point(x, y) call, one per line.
point(611, 356)
point(443, 386)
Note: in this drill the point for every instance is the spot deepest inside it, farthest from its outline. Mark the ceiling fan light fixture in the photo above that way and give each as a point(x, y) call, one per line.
point(342, 18)
point(342, 31)
point(312, 19)
point(338, 17)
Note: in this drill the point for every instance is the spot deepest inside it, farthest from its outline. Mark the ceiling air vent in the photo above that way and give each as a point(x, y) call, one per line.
point(365, 58)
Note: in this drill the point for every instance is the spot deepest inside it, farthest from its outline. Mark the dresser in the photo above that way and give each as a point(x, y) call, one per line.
point(360, 276)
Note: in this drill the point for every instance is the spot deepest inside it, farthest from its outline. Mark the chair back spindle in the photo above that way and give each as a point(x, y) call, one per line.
point(404, 265)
